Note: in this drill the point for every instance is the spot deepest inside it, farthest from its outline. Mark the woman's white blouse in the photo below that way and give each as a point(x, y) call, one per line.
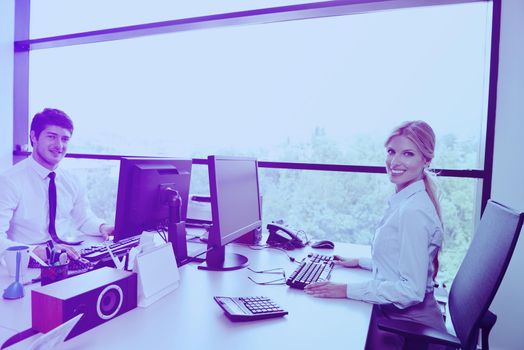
point(403, 251)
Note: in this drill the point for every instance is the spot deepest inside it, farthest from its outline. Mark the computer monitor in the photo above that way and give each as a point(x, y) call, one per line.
point(153, 194)
point(235, 208)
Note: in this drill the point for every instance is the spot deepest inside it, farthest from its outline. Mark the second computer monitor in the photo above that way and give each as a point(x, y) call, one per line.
point(235, 208)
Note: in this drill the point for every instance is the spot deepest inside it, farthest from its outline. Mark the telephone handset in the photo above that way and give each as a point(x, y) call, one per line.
point(283, 237)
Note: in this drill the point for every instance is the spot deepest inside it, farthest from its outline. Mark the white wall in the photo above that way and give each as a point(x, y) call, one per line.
point(508, 173)
point(6, 82)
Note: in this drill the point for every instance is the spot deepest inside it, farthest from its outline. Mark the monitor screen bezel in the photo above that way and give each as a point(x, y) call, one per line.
point(216, 236)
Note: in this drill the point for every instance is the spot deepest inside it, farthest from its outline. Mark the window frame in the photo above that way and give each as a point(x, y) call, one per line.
point(23, 45)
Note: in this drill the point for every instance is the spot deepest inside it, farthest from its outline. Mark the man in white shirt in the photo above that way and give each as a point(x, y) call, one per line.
point(38, 200)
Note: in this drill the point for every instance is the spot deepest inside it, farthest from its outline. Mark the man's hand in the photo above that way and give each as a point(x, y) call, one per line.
point(71, 252)
point(106, 231)
point(326, 290)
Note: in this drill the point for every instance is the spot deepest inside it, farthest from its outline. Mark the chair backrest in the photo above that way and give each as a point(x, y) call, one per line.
point(482, 270)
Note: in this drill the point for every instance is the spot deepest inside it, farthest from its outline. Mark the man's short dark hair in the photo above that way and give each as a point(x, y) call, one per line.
point(50, 116)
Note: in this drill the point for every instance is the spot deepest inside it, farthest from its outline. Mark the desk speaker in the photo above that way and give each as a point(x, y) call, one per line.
point(100, 295)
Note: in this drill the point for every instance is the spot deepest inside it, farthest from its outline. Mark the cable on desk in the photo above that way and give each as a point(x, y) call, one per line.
point(195, 258)
point(162, 229)
point(262, 247)
point(162, 235)
point(274, 271)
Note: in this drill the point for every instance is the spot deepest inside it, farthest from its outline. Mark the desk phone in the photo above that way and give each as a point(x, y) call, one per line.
point(249, 308)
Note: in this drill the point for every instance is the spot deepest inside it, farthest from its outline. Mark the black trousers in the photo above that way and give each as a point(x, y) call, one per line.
point(427, 312)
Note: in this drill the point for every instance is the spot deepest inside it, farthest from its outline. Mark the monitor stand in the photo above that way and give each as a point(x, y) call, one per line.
point(176, 228)
point(218, 260)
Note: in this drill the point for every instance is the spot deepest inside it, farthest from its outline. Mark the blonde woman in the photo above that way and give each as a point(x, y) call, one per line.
point(405, 248)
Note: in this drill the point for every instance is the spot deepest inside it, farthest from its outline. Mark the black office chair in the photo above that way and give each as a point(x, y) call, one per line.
point(474, 287)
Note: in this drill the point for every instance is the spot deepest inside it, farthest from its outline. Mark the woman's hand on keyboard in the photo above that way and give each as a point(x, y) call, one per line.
point(326, 289)
point(346, 262)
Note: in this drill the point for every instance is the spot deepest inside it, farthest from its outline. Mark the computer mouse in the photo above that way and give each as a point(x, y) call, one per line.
point(323, 245)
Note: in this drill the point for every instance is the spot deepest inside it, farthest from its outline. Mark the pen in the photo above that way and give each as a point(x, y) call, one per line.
point(52, 260)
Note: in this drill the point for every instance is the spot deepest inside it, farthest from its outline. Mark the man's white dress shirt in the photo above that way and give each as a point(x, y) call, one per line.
point(403, 250)
point(24, 205)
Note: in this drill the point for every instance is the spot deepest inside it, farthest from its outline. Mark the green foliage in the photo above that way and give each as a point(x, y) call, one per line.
point(344, 207)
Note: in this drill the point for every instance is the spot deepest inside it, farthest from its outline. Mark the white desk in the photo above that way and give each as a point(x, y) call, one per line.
point(189, 318)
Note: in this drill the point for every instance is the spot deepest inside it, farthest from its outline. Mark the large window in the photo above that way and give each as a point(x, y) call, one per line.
point(270, 89)
point(317, 90)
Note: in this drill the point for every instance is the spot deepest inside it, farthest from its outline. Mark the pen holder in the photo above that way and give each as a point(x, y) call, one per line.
point(53, 273)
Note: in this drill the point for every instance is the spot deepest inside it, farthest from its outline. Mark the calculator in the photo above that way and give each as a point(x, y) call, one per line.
point(249, 308)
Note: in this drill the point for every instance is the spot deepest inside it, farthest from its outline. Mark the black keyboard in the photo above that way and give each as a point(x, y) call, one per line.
point(313, 257)
point(100, 253)
point(313, 269)
point(249, 308)
point(80, 265)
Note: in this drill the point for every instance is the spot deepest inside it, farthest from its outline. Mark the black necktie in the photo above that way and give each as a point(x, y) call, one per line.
point(52, 211)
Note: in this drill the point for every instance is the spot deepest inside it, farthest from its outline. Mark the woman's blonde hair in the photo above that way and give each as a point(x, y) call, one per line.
point(422, 135)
